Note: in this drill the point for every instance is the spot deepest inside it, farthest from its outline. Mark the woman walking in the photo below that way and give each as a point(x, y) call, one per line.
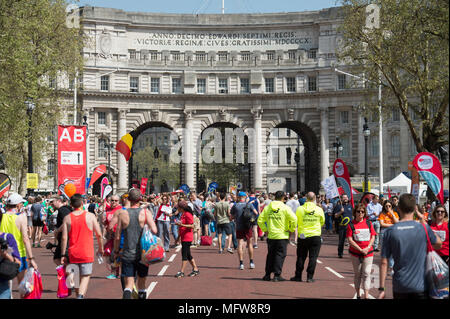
point(186, 228)
point(361, 236)
point(439, 226)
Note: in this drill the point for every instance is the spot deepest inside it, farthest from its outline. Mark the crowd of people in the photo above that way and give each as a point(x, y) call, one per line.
point(234, 223)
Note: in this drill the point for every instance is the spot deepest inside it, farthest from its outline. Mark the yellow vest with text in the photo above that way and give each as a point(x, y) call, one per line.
point(277, 219)
point(310, 219)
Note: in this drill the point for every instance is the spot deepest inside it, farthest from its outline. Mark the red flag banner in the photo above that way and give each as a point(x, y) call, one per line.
point(143, 185)
point(98, 172)
point(430, 170)
point(71, 156)
point(340, 172)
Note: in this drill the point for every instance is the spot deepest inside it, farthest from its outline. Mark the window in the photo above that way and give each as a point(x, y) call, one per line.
point(51, 168)
point(104, 83)
point(395, 145)
point(245, 56)
point(223, 56)
point(312, 54)
point(201, 86)
point(374, 146)
point(395, 115)
point(345, 141)
point(133, 54)
point(291, 55)
point(176, 56)
point(200, 56)
point(288, 155)
point(102, 149)
point(270, 55)
point(223, 85)
point(245, 85)
point(288, 184)
point(275, 156)
point(134, 84)
point(343, 115)
point(312, 83)
point(412, 147)
point(101, 118)
point(71, 83)
point(342, 82)
point(52, 83)
point(154, 85)
point(153, 55)
point(290, 84)
point(176, 85)
point(269, 83)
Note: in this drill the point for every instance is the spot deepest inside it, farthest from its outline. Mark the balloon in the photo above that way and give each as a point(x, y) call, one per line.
point(70, 189)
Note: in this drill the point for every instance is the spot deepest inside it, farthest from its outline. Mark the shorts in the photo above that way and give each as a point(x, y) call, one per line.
point(246, 234)
point(130, 268)
point(224, 228)
point(85, 269)
point(23, 264)
point(196, 223)
point(38, 223)
point(30, 221)
point(186, 250)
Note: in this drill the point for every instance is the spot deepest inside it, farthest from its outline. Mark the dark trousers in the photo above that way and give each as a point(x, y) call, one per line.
point(342, 231)
point(276, 253)
point(417, 295)
point(308, 246)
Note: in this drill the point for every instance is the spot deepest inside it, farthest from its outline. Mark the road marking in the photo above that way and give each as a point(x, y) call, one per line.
point(151, 287)
point(178, 249)
point(163, 270)
point(361, 292)
point(319, 261)
point(334, 272)
point(172, 257)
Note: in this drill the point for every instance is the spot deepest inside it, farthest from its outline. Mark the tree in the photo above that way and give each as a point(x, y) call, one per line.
point(36, 46)
point(410, 50)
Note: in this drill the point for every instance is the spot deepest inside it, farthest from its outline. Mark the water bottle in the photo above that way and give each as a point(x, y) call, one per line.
point(99, 258)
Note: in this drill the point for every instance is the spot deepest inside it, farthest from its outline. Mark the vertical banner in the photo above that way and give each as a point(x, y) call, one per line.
point(340, 171)
point(415, 181)
point(105, 188)
point(430, 170)
point(143, 185)
point(71, 156)
point(98, 172)
point(330, 187)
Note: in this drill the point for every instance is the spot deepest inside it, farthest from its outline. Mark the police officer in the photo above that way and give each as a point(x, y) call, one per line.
point(310, 219)
point(278, 220)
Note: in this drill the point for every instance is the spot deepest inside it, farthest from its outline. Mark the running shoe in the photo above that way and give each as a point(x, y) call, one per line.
point(230, 250)
point(241, 266)
point(194, 273)
point(179, 274)
point(112, 276)
point(252, 265)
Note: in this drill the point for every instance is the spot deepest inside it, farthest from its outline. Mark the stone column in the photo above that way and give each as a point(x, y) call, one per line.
point(122, 184)
point(324, 145)
point(189, 149)
point(257, 167)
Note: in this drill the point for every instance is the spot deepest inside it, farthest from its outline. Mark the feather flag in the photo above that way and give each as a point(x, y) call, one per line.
point(5, 184)
point(340, 172)
point(124, 145)
point(430, 169)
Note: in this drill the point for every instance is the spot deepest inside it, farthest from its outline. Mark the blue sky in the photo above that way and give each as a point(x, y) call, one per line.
point(213, 6)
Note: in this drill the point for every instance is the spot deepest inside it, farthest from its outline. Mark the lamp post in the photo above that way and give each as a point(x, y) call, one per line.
point(109, 146)
point(366, 132)
point(30, 107)
point(297, 162)
point(85, 123)
point(338, 147)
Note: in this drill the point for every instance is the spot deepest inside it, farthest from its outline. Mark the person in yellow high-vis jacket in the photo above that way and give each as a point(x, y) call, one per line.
point(310, 219)
point(278, 220)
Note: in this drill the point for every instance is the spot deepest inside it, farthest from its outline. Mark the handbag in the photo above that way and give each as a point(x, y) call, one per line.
point(8, 269)
point(436, 273)
point(37, 288)
point(45, 229)
point(63, 291)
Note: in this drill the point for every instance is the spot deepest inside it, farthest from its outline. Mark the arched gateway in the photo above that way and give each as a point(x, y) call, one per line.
point(254, 72)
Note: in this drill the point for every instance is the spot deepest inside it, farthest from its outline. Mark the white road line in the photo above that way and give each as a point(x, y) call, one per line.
point(319, 261)
point(334, 272)
point(163, 270)
point(172, 257)
point(151, 287)
point(178, 249)
point(361, 292)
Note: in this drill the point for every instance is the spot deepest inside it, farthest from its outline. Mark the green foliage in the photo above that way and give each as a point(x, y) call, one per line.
point(411, 51)
point(35, 46)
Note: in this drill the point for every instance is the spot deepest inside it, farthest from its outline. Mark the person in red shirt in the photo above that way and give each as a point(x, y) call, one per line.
point(110, 211)
point(439, 225)
point(361, 238)
point(186, 233)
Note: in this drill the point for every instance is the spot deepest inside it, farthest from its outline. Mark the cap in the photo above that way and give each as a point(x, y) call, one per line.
point(242, 194)
point(14, 199)
point(56, 197)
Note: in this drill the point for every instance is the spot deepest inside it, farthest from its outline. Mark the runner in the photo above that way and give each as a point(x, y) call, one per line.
point(110, 212)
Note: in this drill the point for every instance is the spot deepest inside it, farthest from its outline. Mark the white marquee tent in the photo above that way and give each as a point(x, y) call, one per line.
point(399, 184)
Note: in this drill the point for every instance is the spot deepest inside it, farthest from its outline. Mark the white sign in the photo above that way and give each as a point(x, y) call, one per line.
point(329, 184)
point(71, 158)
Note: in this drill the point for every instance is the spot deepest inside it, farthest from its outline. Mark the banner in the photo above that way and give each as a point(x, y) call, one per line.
point(98, 172)
point(104, 189)
point(71, 156)
point(212, 187)
point(415, 181)
point(340, 172)
point(32, 181)
point(143, 185)
point(330, 187)
point(185, 188)
point(5, 184)
point(430, 170)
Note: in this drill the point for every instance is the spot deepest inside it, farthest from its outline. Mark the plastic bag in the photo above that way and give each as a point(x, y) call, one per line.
point(108, 247)
point(436, 273)
point(33, 285)
point(151, 247)
point(27, 283)
point(63, 291)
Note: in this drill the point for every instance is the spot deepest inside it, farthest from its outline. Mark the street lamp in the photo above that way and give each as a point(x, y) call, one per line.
point(30, 107)
point(338, 147)
point(366, 132)
point(109, 146)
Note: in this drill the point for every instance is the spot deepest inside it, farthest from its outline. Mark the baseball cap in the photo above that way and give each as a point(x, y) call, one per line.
point(14, 199)
point(242, 194)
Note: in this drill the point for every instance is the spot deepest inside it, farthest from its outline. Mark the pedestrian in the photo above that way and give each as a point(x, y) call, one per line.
point(11, 253)
point(78, 231)
point(388, 217)
point(110, 212)
point(15, 223)
point(361, 236)
point(327, 207)
point(223, 217)
point(343, 214)
point(374, 210)
point(310, 219)
point(186, 227)
point(394, 202)
point(244, 231)
point(38, 214)
point(293, 204)
point(439, 225)
point(173, 222)
point(163, 221)
point(252, 199)
point(406, 242)
point(278, 220)
point(60, 204)
point(131, 222)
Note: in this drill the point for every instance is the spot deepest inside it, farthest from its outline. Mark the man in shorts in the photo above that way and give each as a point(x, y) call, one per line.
point(244, 233)
point(78, 229)
point(60, 204)
point(222, 214)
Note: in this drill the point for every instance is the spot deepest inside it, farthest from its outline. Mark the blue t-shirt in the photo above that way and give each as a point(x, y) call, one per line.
point(347, 216)
point(406, 243)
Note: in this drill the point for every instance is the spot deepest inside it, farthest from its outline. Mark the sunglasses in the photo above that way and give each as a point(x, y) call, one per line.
point(388, 206)
point(440, 212)
point(360, 212)
point(114, 200)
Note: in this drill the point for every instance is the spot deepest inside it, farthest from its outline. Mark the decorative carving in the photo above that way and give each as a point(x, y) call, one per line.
point(154, 114)
point(291, 114)
point(105, 44)
point(189, 114)
point(123, 113)
point(257, 113)
point(223, 114)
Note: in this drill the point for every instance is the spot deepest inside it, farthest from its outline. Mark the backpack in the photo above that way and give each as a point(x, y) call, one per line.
point(248, 216)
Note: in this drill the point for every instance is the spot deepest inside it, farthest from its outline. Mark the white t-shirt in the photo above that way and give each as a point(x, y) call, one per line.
point(293, 204)
point(165, 211)
point(374, 210)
